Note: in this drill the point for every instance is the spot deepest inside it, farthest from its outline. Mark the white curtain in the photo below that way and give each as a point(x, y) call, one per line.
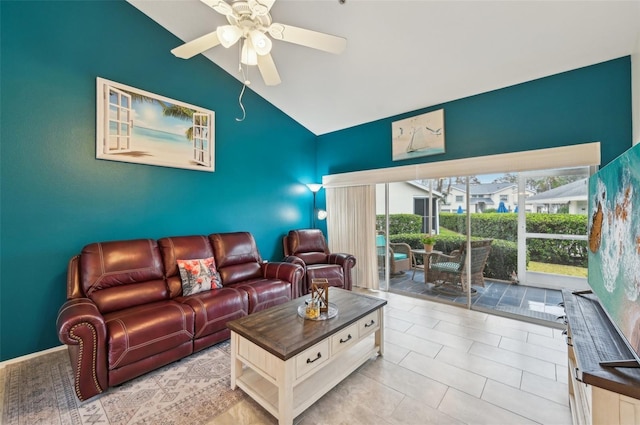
point(351, 228)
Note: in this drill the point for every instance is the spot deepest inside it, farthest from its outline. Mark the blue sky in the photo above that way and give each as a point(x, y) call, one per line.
point(149, 115)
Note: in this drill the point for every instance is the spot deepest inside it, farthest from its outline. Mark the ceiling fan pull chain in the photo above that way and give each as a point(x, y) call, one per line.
point(244, 113)
point(246, 82)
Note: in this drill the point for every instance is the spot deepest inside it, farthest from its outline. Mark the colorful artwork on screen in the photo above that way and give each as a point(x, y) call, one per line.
point(614, 242)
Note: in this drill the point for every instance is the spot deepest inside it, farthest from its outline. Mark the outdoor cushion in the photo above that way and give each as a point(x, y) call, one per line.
point(399, 256)
point(446, 266)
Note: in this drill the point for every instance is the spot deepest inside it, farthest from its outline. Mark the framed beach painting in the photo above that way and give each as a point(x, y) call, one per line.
point(422, 135)
point(145, 128)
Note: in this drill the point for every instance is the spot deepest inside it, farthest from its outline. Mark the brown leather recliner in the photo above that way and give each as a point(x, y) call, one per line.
point(308, 247)
point(125, 313)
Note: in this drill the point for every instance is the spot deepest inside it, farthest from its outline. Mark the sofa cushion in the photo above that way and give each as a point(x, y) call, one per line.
point(332, 272)
point(237, 256)
point(214, 308)
point(264, 293)
point(184, 248)
point(309, 245)
point(137, 333)
point(198, 275)
point(121, 274)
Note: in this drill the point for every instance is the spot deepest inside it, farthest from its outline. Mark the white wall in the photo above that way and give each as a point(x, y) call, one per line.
point(635, 91)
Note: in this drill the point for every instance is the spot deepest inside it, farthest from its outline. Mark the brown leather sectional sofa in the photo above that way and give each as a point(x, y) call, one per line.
point(126, 315)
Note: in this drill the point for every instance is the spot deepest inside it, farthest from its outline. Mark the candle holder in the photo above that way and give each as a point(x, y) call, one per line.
point(320, 293)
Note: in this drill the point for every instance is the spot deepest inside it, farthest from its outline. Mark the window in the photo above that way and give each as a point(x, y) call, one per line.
point(200, 126)
point(119, 121)
point(459, 198)
point(421, 208)
point(504, 198)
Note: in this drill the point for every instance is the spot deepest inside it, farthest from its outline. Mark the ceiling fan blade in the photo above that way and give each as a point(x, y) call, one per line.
point(261, 7)
point(315, 40)
point(268, 70)
point(220, 6)
point(197, 46)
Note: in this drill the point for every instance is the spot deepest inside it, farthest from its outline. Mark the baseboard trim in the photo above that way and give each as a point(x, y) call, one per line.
point(31, 356)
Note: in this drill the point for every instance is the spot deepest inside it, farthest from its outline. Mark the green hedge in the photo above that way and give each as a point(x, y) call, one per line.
point(504, 226)
point(400, 223)
point(488, 225)
point(502, 262)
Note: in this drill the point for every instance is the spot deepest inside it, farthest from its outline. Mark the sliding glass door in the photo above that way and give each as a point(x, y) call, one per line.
point(506, 242)
point(554, 230)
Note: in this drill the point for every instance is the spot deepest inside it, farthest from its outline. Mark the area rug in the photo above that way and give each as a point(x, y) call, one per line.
point(191, 391)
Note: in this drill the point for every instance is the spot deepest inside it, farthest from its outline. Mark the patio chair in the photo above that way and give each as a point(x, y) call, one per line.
point(452, 268)
point(399, 254)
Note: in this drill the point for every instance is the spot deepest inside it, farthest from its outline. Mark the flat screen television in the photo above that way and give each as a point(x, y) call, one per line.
point(614, 243)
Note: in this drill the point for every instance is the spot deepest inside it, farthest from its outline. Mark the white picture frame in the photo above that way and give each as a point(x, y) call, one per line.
point(422, 135)
point(137, 126)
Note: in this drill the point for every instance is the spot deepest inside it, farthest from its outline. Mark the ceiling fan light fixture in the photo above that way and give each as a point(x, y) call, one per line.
point(228, 35)
point(248, 55)
point(260, 42)
point(251, 25)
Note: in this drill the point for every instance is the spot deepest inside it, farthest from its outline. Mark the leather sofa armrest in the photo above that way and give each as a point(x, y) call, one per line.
point(347, 261)
point(286, 271)
point(295, 260)
point(81, 327)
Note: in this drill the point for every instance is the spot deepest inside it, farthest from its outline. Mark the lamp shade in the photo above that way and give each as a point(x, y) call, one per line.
point(314, 187)
point(248, 56)
point(261, 43)
point(228, 35)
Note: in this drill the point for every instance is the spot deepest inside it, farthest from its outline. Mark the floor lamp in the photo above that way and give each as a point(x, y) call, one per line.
point(314, 188)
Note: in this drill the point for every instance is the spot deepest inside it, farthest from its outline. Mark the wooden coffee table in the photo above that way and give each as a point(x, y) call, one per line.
point(286, 363)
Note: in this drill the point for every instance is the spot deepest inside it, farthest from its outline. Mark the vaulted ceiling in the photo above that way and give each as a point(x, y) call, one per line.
point(407, 55)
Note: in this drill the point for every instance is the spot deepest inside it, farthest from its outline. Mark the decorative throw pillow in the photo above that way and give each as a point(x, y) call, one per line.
point(198, 275)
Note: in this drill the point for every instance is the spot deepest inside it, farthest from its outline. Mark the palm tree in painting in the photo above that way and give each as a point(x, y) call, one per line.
point(171, 110)
point(184, 113)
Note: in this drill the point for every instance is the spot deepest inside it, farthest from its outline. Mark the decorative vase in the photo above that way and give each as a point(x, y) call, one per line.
point(428, 248)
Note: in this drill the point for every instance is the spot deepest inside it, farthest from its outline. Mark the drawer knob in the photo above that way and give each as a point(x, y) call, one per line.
point(318, 357)
point(371, 323)
point(345, 340)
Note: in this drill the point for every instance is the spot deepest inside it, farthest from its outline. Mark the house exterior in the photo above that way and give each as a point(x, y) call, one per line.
point(409, 198)
point(482, 197)
point(574, 194)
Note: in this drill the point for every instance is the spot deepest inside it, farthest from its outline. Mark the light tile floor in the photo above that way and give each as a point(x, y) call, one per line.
point(444, 365)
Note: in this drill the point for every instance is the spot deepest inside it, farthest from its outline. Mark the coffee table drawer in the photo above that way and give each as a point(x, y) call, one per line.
point(344, 339)
point(369, 323)
point(311, 358)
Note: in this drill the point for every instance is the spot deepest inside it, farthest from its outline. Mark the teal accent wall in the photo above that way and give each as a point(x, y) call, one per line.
point(584, 105)
point(56, 197)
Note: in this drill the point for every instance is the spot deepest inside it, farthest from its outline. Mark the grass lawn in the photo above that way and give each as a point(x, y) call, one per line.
point(539, 267)
point(557, 269)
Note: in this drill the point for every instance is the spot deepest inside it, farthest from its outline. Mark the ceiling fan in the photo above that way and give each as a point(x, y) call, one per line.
point(249, 23)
